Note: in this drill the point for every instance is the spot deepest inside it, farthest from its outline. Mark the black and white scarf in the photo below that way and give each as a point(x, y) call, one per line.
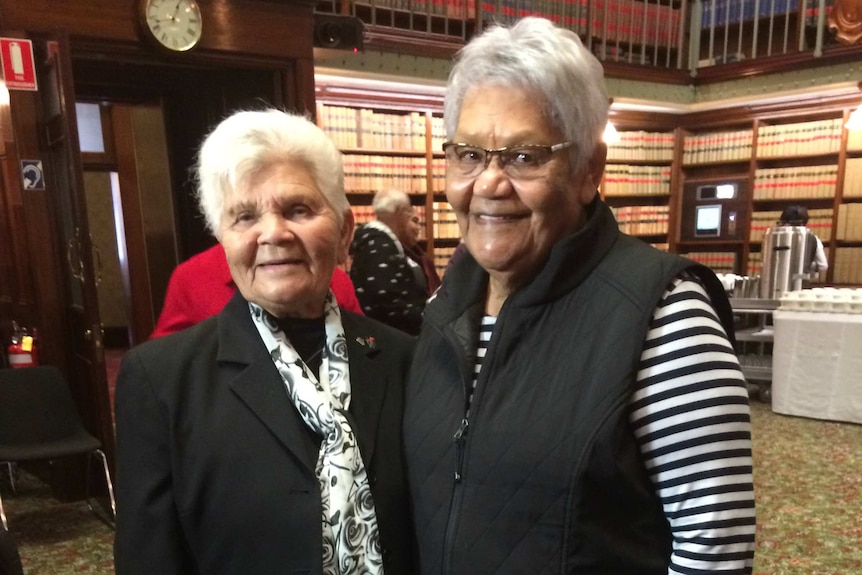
point(351, 543)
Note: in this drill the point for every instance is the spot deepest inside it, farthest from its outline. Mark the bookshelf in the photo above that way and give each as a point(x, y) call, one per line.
point(637, 183)
point(799, 155)
point(711, 159)
point(847, 245)
point(392, 140)
point(777, 155)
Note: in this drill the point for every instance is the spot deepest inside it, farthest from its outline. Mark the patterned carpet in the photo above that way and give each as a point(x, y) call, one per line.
point(808, 477)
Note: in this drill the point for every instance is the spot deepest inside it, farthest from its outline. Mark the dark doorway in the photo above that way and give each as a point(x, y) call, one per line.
point(191, 100)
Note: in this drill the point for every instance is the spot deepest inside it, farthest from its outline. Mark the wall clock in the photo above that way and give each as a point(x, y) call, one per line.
point(174, 25)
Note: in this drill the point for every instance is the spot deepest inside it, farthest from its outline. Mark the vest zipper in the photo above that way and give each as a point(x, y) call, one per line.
point(460, 439)
point(455, 502)
point(459, 447)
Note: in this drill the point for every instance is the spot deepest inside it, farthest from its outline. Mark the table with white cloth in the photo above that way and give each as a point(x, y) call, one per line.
point(817, 365)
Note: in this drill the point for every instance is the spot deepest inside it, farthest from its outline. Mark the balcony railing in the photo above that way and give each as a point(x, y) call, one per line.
point(690, 37)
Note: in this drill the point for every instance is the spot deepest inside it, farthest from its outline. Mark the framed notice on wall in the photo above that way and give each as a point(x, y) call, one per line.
point(19, 68)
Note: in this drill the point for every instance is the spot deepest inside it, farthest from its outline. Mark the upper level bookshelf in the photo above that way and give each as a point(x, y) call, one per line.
point(669, 41)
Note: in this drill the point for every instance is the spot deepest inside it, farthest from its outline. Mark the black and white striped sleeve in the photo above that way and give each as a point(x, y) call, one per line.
point(691, 417)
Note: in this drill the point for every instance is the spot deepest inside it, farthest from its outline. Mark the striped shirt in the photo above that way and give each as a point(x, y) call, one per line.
point(690, 416)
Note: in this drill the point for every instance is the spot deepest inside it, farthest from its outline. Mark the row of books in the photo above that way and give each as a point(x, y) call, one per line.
point(643, 220)
point(849, 223)
point(848, 266)
point(720, 262)
point(445, 223)
point(800, 138)
point(622, 21)
point(644, 146)
point(365, 173)
point(796, 182)
point(717, 147)
point(819, 222)
point(626, 180)
point(755, 264)
point(442, 255)
point(438, 134)
point(364, 128)
point(853, 177)
point(455, 9)
point(720, 12)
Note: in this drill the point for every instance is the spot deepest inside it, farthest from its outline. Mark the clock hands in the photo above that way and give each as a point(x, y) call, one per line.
point(172, 18)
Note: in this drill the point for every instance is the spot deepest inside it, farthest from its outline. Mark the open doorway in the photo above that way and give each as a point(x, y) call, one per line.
point(152, 118)
point(127, 188)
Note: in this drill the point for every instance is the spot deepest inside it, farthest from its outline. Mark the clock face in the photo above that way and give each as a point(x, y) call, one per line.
point(174, 24)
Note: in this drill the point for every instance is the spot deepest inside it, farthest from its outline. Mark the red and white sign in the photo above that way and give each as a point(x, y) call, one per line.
point(19, 70)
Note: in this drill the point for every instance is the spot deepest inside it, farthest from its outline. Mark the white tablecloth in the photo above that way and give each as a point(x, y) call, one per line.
point(817, 365)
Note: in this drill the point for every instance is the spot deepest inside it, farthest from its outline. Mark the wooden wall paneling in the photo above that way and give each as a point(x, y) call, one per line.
point(673, 232)
point(36, 249)
point(282, 30)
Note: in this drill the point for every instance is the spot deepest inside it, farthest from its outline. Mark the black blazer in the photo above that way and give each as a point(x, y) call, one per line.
point(215, 468)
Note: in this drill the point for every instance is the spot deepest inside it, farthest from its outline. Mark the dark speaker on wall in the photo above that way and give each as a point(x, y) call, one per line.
point(338, 32)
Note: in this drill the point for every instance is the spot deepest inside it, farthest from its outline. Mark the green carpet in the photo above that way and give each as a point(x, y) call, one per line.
point(808, 487)
point(808, 480)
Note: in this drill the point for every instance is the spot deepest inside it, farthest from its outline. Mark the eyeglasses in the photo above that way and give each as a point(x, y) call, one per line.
point(523, 162)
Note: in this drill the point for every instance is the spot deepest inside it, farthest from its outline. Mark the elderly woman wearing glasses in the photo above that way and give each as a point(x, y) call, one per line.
point(266, 439)
point(575, 404)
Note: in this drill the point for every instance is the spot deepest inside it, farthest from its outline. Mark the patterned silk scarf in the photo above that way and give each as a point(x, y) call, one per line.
point(351, 544)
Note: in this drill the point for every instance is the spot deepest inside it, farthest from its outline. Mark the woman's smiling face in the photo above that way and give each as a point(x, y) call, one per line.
point(282, 240)
point(508, 224)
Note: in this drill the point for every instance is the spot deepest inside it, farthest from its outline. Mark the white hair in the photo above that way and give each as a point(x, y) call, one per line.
point(248, 142)
point(535, 55)
point(387, 202)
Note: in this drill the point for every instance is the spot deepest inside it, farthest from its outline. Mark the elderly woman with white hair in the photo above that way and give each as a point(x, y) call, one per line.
point(267, 439)
point(575, 404)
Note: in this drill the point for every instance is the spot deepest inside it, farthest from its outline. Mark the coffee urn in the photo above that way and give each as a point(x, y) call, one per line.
point(787, 255)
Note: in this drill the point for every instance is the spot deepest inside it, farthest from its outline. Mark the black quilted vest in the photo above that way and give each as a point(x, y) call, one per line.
point(547, 477)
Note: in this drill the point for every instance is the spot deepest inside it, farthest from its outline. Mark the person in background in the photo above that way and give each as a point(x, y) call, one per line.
point(798, 216)
point(201, 286)
point(392, 275)
point(266, 439)
point(575, 404)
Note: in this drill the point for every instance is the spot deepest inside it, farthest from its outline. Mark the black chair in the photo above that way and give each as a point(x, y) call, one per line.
point(10, 559)
point(40, 422)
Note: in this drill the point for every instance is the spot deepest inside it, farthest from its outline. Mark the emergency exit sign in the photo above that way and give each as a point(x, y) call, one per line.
point(19, 70)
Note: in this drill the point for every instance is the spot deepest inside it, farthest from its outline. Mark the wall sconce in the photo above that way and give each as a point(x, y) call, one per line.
point(611, 136)
point(854, 122)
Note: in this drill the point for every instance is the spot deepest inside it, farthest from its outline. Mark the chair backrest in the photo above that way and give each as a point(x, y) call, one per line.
point(36, 406)
point(10, 559)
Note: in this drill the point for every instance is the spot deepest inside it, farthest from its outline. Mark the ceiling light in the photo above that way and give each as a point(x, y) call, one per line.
point(854, 122)
point(611, 136)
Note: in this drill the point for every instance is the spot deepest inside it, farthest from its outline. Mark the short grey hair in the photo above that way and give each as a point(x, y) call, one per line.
point(247, 142)
point(534, 54)
point(388, 202)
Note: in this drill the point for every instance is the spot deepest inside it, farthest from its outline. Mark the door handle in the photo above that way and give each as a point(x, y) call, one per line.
point(73, 257)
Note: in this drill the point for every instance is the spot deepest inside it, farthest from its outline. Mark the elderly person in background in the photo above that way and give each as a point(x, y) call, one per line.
point(266, 439)
point(392, 275)
point(575, 404)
